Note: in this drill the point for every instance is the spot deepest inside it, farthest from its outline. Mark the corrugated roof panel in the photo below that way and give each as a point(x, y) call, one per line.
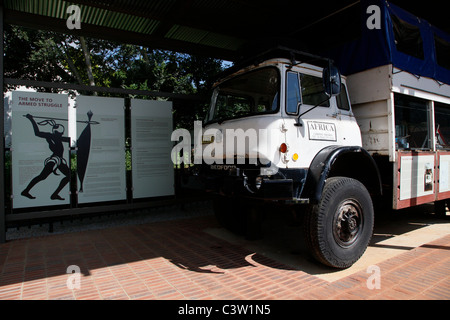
point(15, 5)
point(37, 6)
point(30, 6)
point(94, 15)
point(112, 19)
point(186, 34)
point(119, 21)
point(135, 24)
point(98, 16)
point(87, 14)
point(150, 26)
point(138, 16)
point(54, 8)
point(61, 10)
point(45, 8)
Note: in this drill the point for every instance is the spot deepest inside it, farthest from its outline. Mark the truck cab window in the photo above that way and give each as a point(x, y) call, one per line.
point(312, 91)
point(411, 123)
point(442, 119)
point(229, 106)
point(342, 99)
point(293, 97)
point(249, 94)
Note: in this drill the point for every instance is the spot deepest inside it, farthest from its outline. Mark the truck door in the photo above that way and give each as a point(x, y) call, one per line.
point(319, 126)
point(348, 130)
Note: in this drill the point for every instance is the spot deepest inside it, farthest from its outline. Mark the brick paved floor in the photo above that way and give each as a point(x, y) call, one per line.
point(177, 260)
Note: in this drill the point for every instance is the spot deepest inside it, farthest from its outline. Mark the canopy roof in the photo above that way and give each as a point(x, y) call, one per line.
point(215, 28)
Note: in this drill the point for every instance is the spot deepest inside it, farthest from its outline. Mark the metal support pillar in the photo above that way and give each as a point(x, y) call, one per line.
point(2, 140)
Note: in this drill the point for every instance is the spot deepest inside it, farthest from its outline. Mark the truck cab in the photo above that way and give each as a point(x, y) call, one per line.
point(278, 114)
point(281, 129)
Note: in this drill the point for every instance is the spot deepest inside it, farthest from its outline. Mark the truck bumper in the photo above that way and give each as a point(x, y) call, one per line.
point(244, 182)
point(279, 189)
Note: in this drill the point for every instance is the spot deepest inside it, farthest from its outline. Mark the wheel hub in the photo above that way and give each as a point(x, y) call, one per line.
point(347, 223)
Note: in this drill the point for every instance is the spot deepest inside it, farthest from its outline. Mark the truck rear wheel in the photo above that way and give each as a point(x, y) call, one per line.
point(231, 214)
point(440, 208)
point(339, 228)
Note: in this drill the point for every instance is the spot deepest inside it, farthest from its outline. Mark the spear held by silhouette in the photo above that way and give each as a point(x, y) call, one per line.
point(60, 119)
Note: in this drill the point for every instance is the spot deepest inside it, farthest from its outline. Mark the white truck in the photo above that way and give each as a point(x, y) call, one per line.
point(307, 153)
point(283, 130)
point(284, 127)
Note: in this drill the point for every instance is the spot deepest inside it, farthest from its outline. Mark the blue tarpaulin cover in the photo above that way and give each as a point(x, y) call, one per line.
point(382, 46)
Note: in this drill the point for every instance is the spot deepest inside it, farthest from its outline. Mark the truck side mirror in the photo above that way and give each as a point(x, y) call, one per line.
point(331, 80)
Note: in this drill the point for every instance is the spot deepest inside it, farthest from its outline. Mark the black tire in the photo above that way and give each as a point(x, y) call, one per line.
point(230, 214)
point(239, 217)
point(339, 228)
point(440, 208)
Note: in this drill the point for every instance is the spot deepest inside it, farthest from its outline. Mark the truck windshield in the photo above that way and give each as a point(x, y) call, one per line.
point(252, 93)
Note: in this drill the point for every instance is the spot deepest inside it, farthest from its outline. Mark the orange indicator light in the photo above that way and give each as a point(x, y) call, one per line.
point(283, 148)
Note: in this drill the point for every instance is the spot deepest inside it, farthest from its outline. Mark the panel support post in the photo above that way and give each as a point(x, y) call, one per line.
point(2, 140)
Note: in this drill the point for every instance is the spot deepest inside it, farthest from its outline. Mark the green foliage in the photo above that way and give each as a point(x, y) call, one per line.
point(54, 57)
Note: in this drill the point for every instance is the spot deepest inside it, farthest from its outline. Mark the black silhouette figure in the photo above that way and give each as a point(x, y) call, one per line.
point(55, 162)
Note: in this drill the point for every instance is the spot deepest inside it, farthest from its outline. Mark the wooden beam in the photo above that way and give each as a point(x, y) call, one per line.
point(79, 87)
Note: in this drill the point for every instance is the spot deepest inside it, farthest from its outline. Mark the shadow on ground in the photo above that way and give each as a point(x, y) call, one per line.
point(394, 233)
point(200, 245)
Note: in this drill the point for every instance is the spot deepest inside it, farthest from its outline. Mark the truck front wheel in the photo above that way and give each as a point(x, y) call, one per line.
point(229, 215)
point(239, 217)
point(339, 228)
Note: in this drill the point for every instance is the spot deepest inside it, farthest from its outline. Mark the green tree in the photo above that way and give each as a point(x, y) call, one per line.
point(54, 57)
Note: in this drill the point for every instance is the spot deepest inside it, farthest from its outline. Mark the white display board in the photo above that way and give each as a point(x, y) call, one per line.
point(416, 176)
point(152, 167)
point(40, 149)
point(444, 173)
point(100, 149)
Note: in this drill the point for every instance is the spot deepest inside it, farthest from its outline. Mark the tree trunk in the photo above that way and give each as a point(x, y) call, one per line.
point(144, 55)
point(70, 63)
point(87, 58)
